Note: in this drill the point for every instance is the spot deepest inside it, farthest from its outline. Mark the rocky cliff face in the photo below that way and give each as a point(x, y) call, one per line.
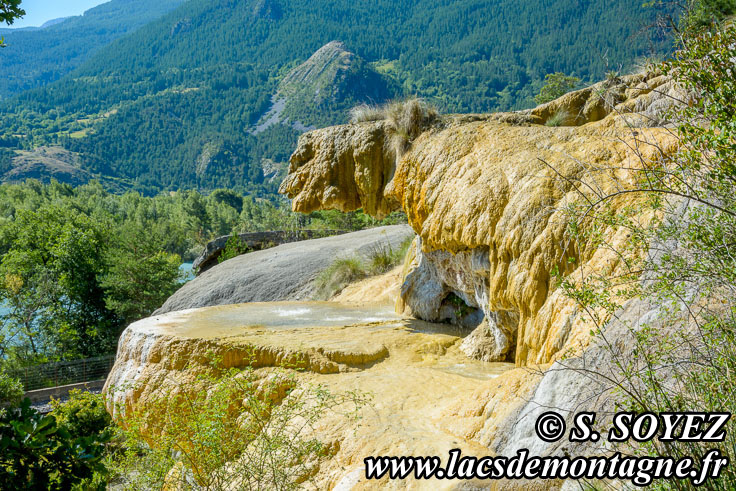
point(332, 78)
point(487, 196)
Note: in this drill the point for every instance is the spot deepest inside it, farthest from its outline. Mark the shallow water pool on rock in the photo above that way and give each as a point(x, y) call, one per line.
point(417, 377)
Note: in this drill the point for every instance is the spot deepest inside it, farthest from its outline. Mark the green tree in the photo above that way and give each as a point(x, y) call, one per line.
point(11, 391)
point(9, 11)
point(140, 275)
point(233, 248)
point(82, 414)
point(49, 281)
point(556, 85)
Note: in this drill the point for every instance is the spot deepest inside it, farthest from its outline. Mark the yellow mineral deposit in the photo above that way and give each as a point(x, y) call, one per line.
point(486, 196)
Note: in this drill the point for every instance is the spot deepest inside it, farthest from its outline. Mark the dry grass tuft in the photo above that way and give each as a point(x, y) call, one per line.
point(560, 118)
point(407, 120)
point(365, 112)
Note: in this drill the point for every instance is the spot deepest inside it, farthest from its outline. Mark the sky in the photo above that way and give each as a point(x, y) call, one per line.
point(40, 11)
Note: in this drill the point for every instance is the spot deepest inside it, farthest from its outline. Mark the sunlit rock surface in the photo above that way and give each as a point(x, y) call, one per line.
point(285, 272)
point(486, 196)
point(414, 370)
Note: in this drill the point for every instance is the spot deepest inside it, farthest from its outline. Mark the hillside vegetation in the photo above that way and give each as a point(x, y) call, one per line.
point(35, 57)
point(177, 103)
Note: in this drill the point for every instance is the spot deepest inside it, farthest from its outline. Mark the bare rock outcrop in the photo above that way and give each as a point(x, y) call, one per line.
point(346, 167)
point(285, 272)
point(413, 368)
point(487, 198)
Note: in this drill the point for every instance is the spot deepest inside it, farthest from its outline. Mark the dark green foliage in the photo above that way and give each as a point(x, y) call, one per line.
point(50, 282)
point(10, 10)
point(174, 105)
point(37, 453)
point(701, 13)
point(75, 269)
point(79, 264)
point(11, 391)
point(228, 197)
point(140, 274)
point(556, 85)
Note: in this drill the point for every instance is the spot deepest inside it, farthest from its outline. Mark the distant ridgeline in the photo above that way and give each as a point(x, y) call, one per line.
point(215, 93)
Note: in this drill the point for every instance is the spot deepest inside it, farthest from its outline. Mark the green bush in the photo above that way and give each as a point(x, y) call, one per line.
point(703, 13)
point(555, 86)
point(381, 258)
point(683, 262)
point(233, 248)
point(83, 414)
point(338, 275)
point(11, 391)
point(37, 453)
point(558, 119)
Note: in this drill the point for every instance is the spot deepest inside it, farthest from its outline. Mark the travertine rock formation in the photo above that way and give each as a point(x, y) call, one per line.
point(413, 369)
point(487, 197)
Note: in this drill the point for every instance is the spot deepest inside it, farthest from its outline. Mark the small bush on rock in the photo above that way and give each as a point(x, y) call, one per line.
point(229, 429)
point(83, 414)
point(406, 119)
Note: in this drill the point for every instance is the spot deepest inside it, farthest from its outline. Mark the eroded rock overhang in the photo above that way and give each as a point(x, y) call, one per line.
point(488, 197)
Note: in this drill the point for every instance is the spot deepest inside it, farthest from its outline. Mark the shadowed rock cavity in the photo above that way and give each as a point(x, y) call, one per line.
point(443, 287)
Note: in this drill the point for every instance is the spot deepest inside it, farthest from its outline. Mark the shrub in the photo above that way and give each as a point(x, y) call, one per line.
point(83, 414)
point(703, 13)
point(365, 112)
point(407, 120)
point(36, 453)
point(11, 391)
point(233, 248)
point(232, 429)
point(555, 86)
point(558, 119)
point(685, 265)
point(382, 257)
point(338, 275)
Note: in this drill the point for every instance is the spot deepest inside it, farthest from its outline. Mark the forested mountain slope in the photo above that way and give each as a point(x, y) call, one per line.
point(36, 57)
point(179, 103)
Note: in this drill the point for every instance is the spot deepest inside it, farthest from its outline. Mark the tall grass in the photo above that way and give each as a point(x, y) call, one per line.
point(381, 258)
point(558, 119)
point(407, 120)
